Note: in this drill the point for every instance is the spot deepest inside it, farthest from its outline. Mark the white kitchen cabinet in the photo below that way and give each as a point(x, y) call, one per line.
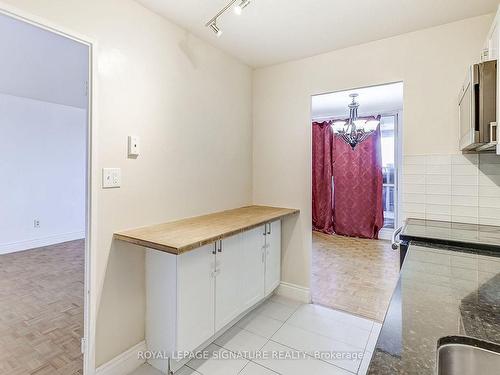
point(273, 256)
point(229, 299)
point(179, 301)
point(195, 302)
point(254, 270)
point(194, 296)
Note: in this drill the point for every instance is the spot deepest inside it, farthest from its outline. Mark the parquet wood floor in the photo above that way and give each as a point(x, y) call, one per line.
point(41, 310)
point(352, 274)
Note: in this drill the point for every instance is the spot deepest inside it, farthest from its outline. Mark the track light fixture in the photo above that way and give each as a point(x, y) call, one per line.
point(216, 28)
point(238, 9)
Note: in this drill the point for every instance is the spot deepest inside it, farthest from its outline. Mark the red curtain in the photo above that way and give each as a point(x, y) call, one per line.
point(354, 208)
point(358, 184)
point(322, 163)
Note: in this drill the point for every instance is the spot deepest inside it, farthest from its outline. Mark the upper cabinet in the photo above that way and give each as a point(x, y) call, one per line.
point(492, 45)
point(479, 100)
point(494, 49)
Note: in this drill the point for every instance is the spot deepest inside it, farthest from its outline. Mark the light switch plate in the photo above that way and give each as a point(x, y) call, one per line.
point(133, 146)
point(111, 178)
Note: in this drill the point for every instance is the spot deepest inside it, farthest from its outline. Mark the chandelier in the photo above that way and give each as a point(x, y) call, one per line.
point(354, 131)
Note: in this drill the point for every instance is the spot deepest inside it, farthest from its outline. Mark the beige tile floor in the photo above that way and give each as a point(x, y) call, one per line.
point(285, 326)
point(354, 275)
point(41, 310)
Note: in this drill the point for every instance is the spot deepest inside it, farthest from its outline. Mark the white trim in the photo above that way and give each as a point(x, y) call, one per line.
point(92, 172)
point(39, 242)
point(295, 292)
point(124, 363)
point(399, 165)
point(385, 234)
point(21, 15)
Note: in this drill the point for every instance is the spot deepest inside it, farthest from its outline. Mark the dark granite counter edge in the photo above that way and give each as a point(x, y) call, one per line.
point(462, 248)
point(453, 243)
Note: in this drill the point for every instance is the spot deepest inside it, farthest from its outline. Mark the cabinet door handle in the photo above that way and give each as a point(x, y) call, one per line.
point(220, 246)
point(269, 231)
point(214, 251)
point(265, 229)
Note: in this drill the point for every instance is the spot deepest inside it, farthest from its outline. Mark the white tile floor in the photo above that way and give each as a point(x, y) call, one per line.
point(287, 326)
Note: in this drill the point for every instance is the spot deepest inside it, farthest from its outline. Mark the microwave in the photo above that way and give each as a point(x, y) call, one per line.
point(477, 105)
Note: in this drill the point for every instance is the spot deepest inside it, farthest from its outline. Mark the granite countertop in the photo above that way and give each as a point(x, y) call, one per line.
point(442, 291)
point(454, 234)
point(179, 236)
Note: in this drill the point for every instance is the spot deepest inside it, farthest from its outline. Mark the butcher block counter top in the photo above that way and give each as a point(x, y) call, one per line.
point(179, 236)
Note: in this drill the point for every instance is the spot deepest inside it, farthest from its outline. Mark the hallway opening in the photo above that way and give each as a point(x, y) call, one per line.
point(356, 154)
point(44, 112)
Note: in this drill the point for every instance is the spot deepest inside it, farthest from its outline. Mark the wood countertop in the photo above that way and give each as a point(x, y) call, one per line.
point(179, 236)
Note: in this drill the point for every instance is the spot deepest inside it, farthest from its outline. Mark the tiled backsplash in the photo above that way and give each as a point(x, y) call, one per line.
point(461, 188)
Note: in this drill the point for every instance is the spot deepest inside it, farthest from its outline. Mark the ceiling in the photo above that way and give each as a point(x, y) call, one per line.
point(373, 100)
point(274, 31)
point(42, 65)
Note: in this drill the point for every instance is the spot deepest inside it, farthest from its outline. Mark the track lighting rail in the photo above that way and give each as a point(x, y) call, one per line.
point(238, 10)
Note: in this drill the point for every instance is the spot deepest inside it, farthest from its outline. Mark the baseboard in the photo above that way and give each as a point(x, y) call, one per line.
point(124, 363)
point(295, 292)
point(39, 242)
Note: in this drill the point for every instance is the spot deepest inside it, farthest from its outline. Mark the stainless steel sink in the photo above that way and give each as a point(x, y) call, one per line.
point(457, 355)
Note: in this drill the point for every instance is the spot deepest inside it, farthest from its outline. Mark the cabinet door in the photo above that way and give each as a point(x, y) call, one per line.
point(195, 297)
point(253, 266)
point(273, 256)
point(229, 300)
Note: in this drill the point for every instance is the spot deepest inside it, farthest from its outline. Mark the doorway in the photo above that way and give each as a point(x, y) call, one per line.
point(45, 118)
point(356, 211)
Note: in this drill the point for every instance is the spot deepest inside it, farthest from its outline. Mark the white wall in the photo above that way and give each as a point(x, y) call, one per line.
point(431, 63)
point(191, 106)
point(43, 173)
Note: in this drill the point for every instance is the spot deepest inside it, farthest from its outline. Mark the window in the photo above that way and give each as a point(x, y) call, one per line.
point(389, 171)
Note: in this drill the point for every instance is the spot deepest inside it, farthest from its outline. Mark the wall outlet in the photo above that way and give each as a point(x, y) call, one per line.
point(111, 178)
point(36, 223)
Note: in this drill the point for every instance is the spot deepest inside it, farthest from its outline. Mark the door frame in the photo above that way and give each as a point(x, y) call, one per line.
point(386, 233)
point(88, 343)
